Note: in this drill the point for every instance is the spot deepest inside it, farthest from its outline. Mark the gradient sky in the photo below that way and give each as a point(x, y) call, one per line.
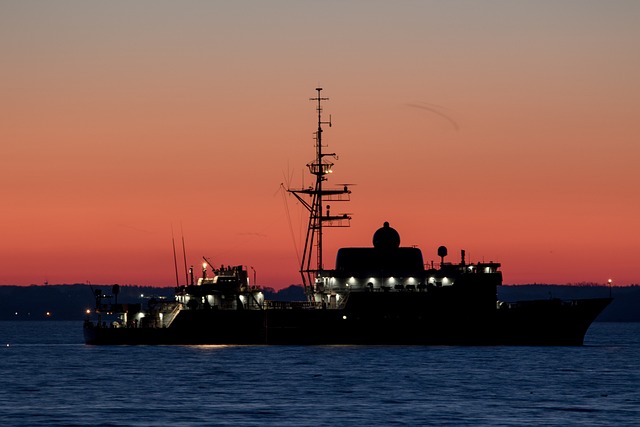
point(509, 129)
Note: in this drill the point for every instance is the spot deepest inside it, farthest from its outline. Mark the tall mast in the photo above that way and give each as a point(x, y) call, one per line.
point(319, 167)
point(319, 170)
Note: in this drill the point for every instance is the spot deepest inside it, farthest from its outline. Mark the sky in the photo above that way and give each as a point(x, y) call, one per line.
point(507, 129)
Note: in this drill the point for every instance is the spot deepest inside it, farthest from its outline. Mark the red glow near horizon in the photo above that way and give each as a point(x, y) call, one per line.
point(478, 131)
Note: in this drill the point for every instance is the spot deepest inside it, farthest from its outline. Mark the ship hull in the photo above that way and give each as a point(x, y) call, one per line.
point(380, 295)
point(363, 322)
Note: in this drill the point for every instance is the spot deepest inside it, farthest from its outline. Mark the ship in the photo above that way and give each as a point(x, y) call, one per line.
point(384, 294)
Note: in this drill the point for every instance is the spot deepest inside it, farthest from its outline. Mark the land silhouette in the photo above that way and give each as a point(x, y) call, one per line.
point(70, 302)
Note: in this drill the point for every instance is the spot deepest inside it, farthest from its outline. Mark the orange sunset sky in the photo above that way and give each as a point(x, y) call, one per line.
point(509, 129)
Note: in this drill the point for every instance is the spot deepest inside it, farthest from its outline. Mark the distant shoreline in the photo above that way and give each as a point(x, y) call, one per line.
point(70, 302)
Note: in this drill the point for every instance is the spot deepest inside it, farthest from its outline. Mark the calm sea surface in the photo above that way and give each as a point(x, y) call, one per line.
point(49, 377)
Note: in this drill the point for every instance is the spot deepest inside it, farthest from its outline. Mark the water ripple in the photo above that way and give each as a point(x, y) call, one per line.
point(50, 378)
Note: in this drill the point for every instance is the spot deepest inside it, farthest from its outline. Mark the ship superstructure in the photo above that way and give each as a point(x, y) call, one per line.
point(383, 294)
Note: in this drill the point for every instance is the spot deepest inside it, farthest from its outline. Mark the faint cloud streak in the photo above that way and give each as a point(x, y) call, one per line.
point(436, 110)
point(254, 234)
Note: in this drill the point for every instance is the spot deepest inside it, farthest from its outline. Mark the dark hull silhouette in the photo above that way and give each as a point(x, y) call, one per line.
point(385, 294)
point(375, 318)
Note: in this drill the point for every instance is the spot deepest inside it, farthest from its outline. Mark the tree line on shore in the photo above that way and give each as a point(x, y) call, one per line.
point(70, 302)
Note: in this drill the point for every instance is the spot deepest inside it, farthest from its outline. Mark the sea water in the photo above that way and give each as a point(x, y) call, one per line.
point(49, 377)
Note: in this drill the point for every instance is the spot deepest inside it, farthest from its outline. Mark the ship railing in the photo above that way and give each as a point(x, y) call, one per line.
point(292, 305)
point(479, 268)
point(340, 197)
point(336, 222)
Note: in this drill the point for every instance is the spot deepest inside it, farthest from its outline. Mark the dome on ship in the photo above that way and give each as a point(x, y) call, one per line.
point(386, 238)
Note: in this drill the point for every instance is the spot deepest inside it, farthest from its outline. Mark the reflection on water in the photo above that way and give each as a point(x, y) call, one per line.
point(51, 378)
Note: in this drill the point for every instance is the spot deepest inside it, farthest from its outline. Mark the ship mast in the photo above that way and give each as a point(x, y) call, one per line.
point(318, 217)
